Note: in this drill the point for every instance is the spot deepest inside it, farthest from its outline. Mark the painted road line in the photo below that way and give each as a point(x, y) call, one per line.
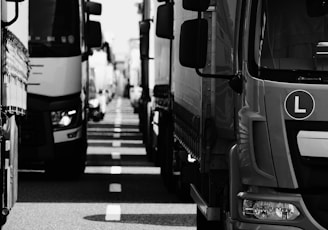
point(113, 212)
point(115, 187)
point(115, 170)
point(116, 155)
point(116, 144)
point(137, 170)
point(98, 150)
point(135, 142)
point(116, 135)
point(117, 130)
point(126, 170)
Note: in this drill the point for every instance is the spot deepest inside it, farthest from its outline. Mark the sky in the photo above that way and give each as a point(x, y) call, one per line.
point(120, 22)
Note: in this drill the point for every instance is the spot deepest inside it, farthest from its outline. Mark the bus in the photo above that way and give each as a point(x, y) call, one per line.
point(54, 132)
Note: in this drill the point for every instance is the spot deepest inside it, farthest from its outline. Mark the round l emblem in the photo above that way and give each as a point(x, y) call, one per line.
point(299, 104)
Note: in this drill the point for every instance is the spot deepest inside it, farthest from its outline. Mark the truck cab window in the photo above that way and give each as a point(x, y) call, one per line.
point(287, 37)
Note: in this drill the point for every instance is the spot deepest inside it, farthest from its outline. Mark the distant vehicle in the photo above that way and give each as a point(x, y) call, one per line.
point(102, 71)
point(15, 71)
point(133, 72)
point(60, 38)
point(94, 103)
point(135, 93)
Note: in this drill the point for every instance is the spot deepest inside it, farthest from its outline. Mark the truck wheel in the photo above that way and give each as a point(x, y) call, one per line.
point(187, 177)
point(3, 219)
point(165, 152)
point(203, 224)
point(166, 161)
point(149, 136)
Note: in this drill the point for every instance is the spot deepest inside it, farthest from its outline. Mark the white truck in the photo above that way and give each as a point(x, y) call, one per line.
point(15, 70)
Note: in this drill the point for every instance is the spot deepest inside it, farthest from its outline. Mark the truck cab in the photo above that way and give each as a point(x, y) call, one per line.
point(249, 84)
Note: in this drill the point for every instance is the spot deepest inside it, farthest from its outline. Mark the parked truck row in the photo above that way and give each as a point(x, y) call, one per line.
point(44, 87)
point(234, 109)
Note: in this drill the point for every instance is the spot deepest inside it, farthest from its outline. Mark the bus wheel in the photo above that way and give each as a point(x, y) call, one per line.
point(3, 217)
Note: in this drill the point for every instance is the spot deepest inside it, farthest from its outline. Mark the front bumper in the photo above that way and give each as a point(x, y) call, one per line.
point(250, 226)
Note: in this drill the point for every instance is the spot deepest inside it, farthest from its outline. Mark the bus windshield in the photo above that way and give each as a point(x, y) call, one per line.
point(292, 35)
point(54, 28)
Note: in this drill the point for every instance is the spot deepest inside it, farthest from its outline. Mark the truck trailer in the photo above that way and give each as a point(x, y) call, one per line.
point(245, 124)
point(15, 69)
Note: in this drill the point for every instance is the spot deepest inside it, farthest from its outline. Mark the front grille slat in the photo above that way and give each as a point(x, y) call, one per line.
point(311, 172)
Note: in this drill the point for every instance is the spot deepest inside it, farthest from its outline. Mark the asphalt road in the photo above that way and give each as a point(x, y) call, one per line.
point(120, 188)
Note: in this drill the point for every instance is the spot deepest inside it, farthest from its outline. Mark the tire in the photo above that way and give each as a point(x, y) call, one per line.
point(165, 152)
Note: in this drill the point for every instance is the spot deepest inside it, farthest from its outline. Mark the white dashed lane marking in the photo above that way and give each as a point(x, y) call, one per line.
point(115, 187)
point(117, 130)
point(116, 143)
point(116, 156)
point(115, 170)
point(113, 212)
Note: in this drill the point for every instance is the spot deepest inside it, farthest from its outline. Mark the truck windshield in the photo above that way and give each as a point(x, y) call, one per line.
point(54, 28)
point(291, 35)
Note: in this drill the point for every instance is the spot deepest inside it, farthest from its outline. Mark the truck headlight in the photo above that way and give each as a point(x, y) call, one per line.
point(63, 118)
point(268, 210)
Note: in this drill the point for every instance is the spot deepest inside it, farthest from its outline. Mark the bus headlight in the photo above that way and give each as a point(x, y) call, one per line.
point(62, 119)
point(268, 210)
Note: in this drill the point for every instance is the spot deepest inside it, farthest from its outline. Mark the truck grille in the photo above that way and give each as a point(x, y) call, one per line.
point(33, 130)
point(311, 172)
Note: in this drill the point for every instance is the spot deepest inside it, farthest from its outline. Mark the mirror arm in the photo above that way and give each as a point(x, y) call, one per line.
point(205, 75)
point(149, 20)
point(235, 81)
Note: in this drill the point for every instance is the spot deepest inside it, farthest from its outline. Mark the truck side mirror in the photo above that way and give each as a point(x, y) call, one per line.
point(144, 27)
point(193, 43)
point(196, 5)
point(93, 8)
point(93, 34)
point(164, 21)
